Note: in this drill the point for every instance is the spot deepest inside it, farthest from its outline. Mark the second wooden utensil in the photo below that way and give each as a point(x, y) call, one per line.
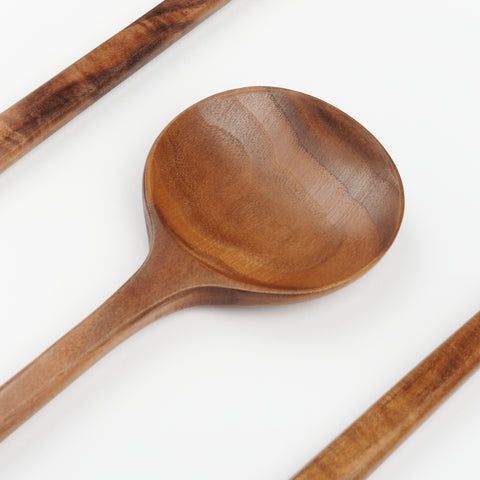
point(254, 196)
point(30, 121)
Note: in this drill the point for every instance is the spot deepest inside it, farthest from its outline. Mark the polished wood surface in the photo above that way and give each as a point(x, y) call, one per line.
point(318, 205)
point(370, 439)
point(44, 111)
point(253, 196)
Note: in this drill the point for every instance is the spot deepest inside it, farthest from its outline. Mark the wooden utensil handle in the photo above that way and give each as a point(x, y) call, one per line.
point(37, 116)
point(369, 440)
point(136, 304)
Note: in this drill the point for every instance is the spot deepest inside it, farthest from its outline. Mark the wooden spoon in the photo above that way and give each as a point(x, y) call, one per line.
point(253, 196)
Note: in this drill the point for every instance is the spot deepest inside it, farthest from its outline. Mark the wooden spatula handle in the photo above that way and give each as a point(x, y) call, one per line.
point(369, 440)
point(37, 116)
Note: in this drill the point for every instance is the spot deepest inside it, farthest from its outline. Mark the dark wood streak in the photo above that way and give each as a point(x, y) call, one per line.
point(351, 136)
point(37, 116)
point(161, 9)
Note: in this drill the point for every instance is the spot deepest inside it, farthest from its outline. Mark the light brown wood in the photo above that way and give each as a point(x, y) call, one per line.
point(253, 196)
point(376, 434)
point(44, 111)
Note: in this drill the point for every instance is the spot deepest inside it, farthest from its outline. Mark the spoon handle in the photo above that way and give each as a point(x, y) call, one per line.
point(370, 439)
point(137, 303)
point(37, 116)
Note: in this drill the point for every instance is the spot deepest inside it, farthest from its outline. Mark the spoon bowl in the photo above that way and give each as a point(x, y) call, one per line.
point(275, 189)
point(253, 196)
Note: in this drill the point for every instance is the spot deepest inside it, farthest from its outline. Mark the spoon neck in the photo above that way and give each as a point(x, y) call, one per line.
point(151, 293)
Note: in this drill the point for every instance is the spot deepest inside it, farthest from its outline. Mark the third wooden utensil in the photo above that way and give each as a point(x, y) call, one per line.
point(370, 439)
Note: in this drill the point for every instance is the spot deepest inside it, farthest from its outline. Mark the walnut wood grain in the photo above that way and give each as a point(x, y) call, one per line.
point(253, 196)
point(370, 439)
point(37, 116)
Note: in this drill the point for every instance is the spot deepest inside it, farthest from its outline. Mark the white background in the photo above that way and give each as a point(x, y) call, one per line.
point(225, 393)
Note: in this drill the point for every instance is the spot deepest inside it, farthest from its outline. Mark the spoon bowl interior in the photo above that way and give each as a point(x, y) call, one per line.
point(274, 189)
